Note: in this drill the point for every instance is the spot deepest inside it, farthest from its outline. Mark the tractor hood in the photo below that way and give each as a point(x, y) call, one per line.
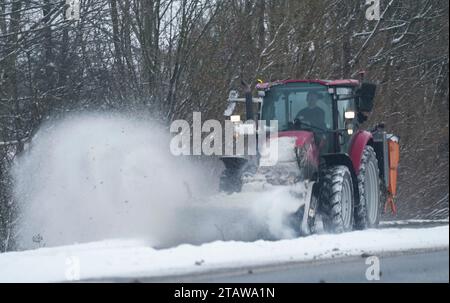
point(292, 155)
point(303, 138)
point(305, 144)
point(290, 146)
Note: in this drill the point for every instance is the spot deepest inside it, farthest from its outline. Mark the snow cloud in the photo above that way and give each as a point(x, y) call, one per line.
point(93, 177)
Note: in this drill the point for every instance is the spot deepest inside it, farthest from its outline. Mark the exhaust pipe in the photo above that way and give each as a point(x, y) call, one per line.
point(248, 102)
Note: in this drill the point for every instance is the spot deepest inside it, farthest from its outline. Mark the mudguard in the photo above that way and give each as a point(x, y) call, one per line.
point(359, 142)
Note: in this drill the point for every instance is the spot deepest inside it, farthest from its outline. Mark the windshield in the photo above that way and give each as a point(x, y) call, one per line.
point(298, 106)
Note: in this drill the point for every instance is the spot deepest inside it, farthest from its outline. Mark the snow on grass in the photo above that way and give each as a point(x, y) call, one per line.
point(134, 258)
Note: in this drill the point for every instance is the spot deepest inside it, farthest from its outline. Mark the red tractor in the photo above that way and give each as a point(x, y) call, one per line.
point(351, 173)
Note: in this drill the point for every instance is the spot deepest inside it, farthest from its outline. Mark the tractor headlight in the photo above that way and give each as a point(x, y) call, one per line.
point(350, 115)
point(235, 119)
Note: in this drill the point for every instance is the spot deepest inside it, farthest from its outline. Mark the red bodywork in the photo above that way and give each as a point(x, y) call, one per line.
point(346, 82)
point(357, 146)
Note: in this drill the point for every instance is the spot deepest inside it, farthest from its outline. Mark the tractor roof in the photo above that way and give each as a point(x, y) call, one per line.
point(344, 82)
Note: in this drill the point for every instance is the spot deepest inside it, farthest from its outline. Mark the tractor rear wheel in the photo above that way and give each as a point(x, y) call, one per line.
point(337, 199)
point(368, 210)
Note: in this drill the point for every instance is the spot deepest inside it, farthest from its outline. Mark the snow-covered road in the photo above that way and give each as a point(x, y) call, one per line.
point(136, 259)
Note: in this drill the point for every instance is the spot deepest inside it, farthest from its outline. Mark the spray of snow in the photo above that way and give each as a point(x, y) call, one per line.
point(94, 177)
point(247, 216)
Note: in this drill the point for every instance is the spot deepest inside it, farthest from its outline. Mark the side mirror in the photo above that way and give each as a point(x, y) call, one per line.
point(233, 95)
point(366, 96)
point(230, 109)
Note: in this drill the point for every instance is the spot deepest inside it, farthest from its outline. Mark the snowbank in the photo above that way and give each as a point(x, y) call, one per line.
point(134, 258)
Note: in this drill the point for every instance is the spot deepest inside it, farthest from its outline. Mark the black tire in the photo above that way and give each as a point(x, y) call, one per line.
point(337, 199)
point(369, 208)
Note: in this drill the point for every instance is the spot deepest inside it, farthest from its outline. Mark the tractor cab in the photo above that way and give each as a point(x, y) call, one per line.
point(325, 110)
point(332, 110)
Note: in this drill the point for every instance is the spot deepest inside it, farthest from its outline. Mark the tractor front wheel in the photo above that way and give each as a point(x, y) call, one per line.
point(337, 199)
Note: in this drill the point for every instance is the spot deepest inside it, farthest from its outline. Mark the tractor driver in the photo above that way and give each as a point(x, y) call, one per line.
point(312, 114)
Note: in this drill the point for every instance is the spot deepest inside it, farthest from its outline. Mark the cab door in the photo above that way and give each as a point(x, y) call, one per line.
point(346, 117)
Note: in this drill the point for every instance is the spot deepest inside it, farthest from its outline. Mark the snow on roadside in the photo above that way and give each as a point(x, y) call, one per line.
point(134, 258)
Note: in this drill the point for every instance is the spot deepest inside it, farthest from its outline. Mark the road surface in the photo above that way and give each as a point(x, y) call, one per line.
point(412, 267)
